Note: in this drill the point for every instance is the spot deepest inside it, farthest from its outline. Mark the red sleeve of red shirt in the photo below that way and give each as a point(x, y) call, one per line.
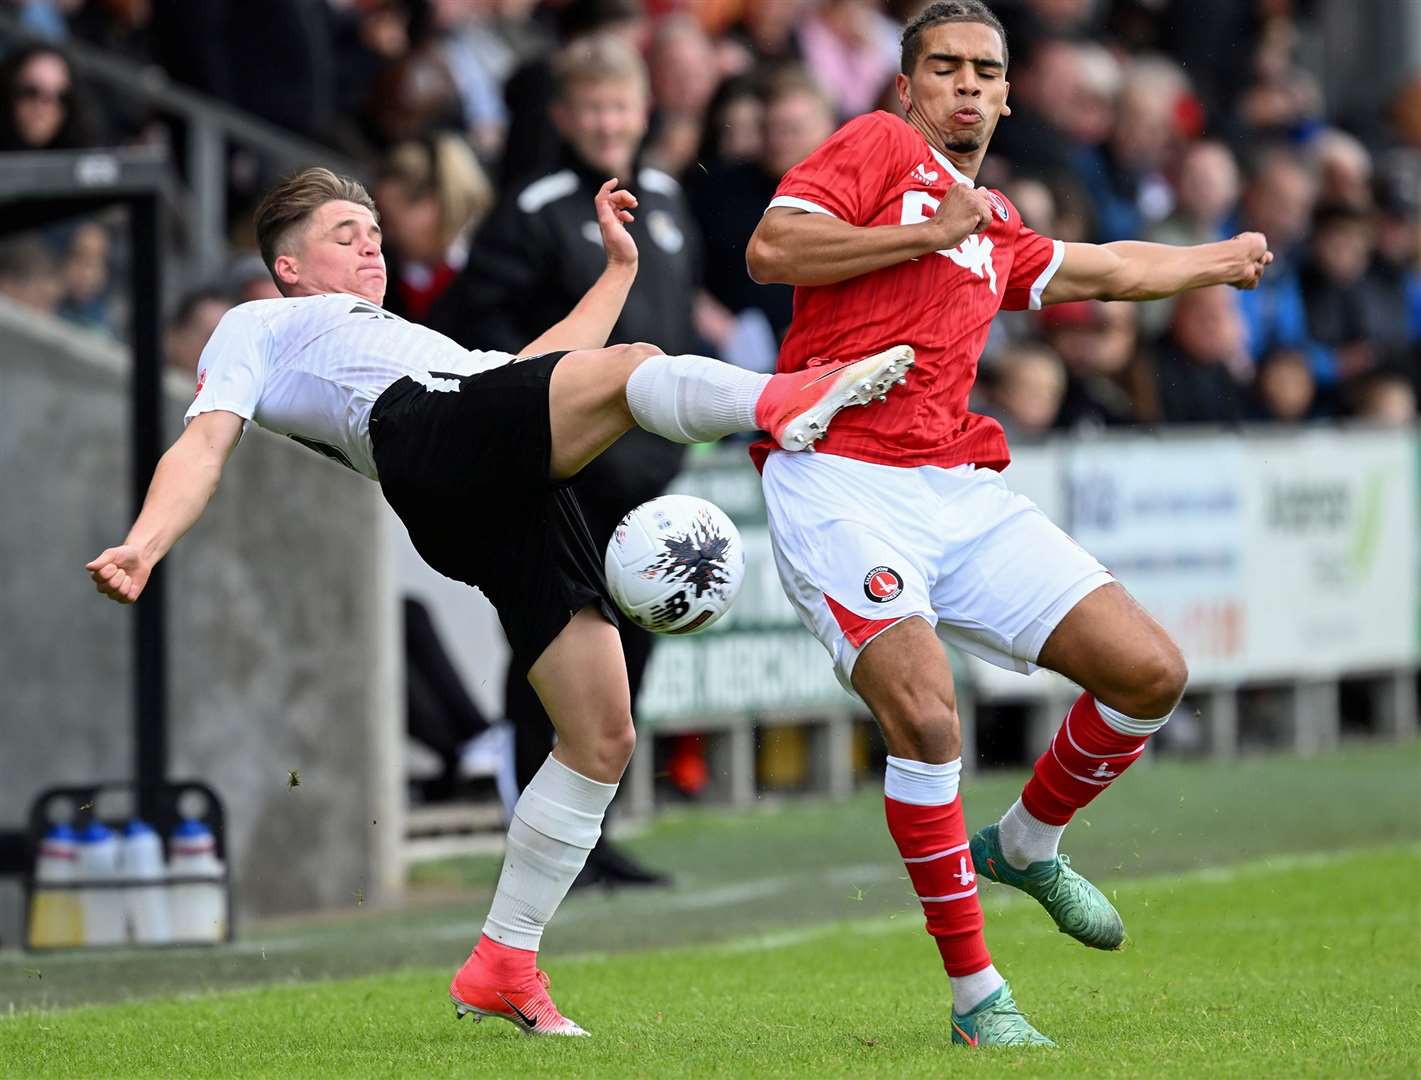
point(847, 175)
point(1035, 260)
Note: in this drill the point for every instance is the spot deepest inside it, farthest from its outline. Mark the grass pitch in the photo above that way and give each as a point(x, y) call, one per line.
point(1308, 966)
point(1239, 962)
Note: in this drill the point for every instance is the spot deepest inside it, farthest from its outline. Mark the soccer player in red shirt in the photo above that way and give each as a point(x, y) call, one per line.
point(900, 531)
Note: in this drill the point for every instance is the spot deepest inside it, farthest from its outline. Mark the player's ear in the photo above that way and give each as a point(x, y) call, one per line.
point(287, 270)
point(905, 94)
point(1006, 109)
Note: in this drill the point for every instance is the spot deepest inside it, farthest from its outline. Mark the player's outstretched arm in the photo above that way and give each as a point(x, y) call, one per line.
point(793, 247)
point(182, 484)
point(1134, 270)
point(590, 322)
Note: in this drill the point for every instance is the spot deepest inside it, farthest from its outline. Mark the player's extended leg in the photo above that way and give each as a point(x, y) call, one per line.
point(904, 677)
point(581, 679)
point(1133, 676)
point(595, 395)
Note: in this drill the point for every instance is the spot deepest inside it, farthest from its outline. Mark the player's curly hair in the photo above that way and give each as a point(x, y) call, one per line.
point(946, 11)
point(291, 203)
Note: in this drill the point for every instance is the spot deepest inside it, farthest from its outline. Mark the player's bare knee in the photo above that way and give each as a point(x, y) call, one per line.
point(618, 362)
point(1159, 682)
point(633, 354)
point(616, 739)
point(920, 726)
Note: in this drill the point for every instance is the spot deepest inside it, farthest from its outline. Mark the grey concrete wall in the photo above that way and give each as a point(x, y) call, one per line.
point(281, 626)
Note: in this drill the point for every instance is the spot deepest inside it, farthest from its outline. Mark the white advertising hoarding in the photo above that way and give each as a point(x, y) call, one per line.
point(1330, 552)
point(1165, 517)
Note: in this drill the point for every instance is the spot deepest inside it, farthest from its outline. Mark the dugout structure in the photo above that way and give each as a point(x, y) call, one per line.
point(42, 189)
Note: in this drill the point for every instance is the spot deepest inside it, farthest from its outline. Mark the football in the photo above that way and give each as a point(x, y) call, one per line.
point(675, 564)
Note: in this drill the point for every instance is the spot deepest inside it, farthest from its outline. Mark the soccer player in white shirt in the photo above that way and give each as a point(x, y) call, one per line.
point(474, 451)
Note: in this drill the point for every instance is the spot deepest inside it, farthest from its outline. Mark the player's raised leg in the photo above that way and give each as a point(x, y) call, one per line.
point(1133, 676)
point(582, 682)
point(904, 676)
point(597, 394)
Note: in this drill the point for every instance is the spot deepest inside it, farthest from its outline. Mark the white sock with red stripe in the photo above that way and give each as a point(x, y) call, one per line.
point(691, 399)
point(925, 819)
point(1094, 745)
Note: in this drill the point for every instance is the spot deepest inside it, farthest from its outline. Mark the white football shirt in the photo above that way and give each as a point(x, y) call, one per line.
point(311, 367)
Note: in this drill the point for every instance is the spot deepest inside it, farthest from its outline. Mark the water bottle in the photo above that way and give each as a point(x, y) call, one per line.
point(55, 916)
point(96, 864)
point(141, 859)
point(198, 908)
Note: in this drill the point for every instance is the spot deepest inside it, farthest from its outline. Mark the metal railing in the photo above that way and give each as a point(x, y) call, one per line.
point(212, 130)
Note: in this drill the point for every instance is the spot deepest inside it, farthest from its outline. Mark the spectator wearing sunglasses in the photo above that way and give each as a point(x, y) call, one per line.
point(41, 110)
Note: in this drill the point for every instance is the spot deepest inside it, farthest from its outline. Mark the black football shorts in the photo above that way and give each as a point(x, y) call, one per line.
point(468, 471)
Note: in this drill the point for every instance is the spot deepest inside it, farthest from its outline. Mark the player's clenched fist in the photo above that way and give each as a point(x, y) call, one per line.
point(119, 573)
point(962, 212)
point(1253, 256)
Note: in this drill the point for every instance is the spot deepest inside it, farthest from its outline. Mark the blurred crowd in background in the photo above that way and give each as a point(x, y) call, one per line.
point(477, 120)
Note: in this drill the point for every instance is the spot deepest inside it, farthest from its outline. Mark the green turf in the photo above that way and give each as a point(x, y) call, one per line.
point(1305, 966)
point(786, 865)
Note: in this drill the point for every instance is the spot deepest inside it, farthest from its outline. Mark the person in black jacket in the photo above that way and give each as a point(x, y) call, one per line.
point(537, 252)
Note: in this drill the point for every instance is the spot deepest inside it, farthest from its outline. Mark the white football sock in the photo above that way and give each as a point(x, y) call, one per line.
point(969, 991)
point(921, 783)
point(691, 399)
point(1026, 839)
point(556, 822)
point(1130, 725)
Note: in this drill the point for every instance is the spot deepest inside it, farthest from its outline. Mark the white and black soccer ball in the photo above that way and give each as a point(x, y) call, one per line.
point(675, 564)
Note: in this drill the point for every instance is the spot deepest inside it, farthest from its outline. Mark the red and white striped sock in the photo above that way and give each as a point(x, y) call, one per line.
point(925, 819)
point(1094, 745)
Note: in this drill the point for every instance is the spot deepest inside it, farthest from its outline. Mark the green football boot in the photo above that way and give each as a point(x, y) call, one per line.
point(1078, 907)
point(996, 1022)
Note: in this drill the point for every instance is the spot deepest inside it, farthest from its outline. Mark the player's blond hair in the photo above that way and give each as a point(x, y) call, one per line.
point(288, 207)
point(598, 58)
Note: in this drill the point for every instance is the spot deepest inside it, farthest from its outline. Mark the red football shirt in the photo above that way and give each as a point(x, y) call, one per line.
point(877, 170)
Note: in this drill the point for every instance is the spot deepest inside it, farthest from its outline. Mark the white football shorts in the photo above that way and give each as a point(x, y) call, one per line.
point(861, 546)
